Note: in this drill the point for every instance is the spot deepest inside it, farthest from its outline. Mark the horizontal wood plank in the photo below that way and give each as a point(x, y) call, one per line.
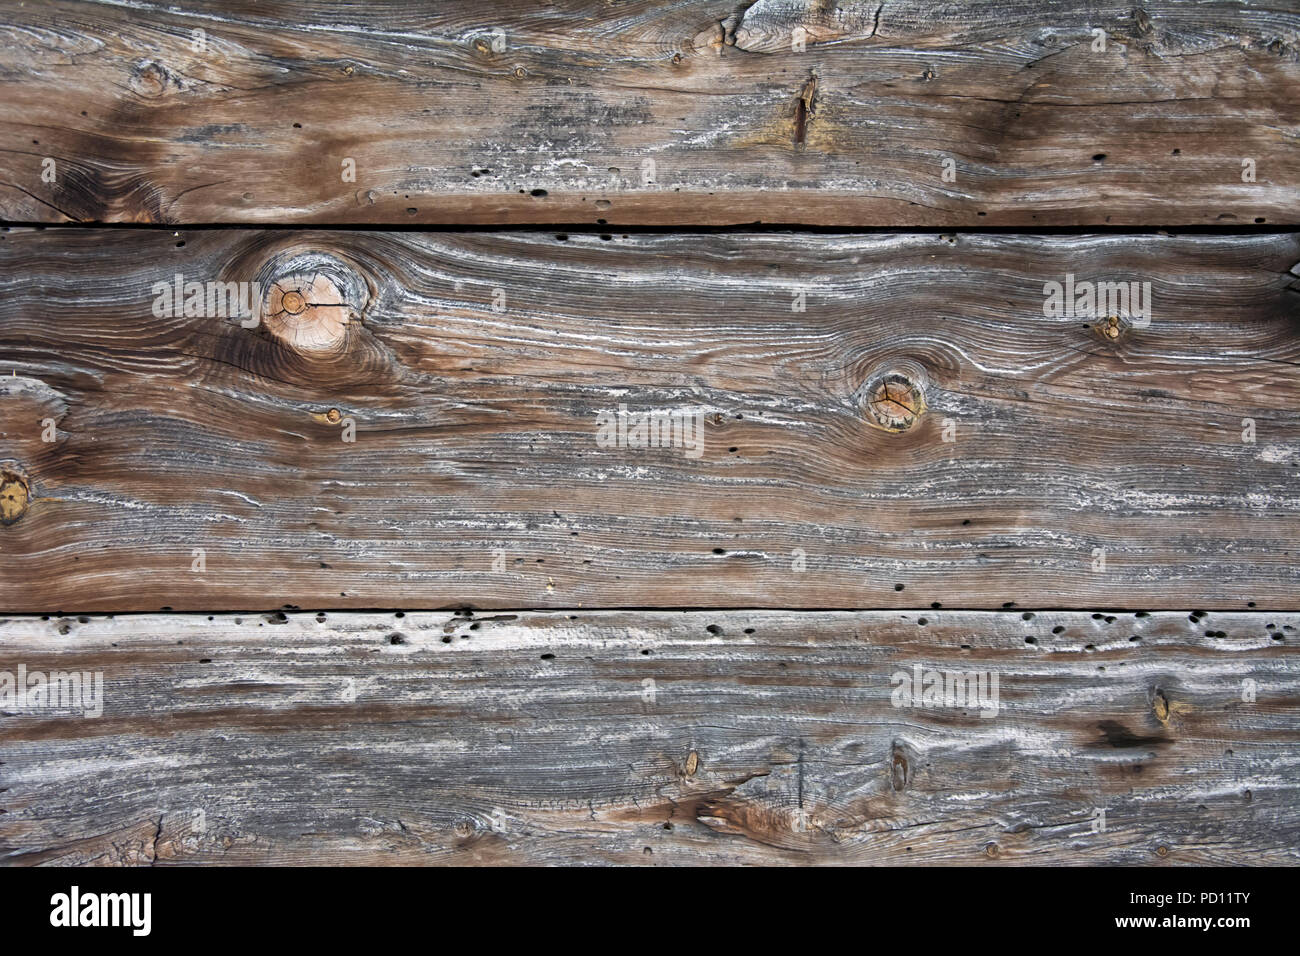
point(431, 430)
point(899, 113)
point(656, 737)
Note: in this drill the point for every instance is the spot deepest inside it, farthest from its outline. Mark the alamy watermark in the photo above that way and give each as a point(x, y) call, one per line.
point(930, 688)
point(57, 690)
point(210, 300)
point(75, 909)
point(1098, 300)
point(658, 428)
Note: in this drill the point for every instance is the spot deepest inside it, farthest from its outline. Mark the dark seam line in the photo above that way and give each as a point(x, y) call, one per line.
point(694, 609)
point(756, 228)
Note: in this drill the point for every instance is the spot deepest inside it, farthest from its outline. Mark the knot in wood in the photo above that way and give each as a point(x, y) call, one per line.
point(293, 302)
point(311, 300)
point(15, 492)
point(898, 768)
point(896, 402)
point(308, 313)
point(465, 829)
point(149, 80)
point(1160, 706)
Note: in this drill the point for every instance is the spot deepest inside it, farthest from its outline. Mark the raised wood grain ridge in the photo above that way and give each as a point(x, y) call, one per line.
point(654, 737)
point(897, 113)
point(192, 463)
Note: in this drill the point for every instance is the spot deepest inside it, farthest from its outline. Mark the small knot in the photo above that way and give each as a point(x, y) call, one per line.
point(464, 829)
point(898, 769)
point(896, 402)
point(1160, 705)
point(293, 302)
point(149, 79)
point(15, 492)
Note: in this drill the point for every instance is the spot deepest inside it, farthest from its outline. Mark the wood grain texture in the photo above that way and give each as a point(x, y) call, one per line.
point(504, 111)
point(476, 477)
point(656, 737)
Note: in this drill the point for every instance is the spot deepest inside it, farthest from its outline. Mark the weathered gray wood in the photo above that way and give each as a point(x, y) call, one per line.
point(476, 477)
point(509, 111)
point(656, 737)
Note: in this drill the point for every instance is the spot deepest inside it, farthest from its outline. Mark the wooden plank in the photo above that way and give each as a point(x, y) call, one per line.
point(692, 112)
point(656, 737)
point(192, 463)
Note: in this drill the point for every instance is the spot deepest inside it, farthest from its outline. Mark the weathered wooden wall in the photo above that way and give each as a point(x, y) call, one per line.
point(655, 737)
point(501, 111)
point(434, 619)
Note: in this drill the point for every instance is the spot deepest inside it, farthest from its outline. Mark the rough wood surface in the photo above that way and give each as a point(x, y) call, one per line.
point(192, 463)
point(656, 737)
point(647, 111)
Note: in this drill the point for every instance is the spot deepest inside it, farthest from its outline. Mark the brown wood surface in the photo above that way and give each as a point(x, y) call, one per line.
point(655, 737)
point(476, 478)
point(504, 111)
